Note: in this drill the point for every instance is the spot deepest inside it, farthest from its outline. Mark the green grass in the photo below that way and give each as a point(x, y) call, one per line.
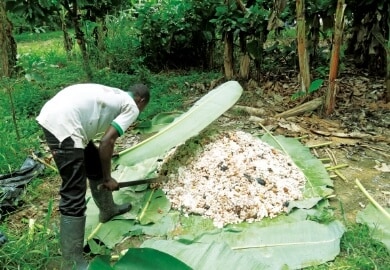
point(31, 248)
point(359, 251)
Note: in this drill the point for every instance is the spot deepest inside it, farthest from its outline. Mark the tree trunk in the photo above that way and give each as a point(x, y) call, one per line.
point(302, 48)
point(330, 99)
point(8, 47)
point(68, 44)
point(228, 55)
point(244, 58)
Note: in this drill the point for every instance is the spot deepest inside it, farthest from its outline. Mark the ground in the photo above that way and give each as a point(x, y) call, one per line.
point(356, 137)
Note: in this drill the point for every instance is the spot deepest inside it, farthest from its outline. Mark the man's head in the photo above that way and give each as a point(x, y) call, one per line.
point(141, 95)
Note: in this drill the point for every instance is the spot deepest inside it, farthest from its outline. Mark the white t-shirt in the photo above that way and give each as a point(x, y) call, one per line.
point(82, 111)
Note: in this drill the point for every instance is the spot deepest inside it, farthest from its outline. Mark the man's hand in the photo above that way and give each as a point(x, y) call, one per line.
point(111, 185)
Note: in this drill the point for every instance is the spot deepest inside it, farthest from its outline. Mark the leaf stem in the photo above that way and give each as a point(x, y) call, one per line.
point(146, 206)
point(269, 133)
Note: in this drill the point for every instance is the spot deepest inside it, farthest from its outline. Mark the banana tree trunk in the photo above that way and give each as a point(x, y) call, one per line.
point(302, 51)
point(228, 60)
point(330, 100)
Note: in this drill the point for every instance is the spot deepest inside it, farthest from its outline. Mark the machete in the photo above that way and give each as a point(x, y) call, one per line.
point(136, 182)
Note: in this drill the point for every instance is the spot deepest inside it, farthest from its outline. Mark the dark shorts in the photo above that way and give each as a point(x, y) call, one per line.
point(75, 165)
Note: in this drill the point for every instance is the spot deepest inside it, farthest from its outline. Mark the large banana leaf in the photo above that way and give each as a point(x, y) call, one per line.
point(189, 124)
point(293, 245)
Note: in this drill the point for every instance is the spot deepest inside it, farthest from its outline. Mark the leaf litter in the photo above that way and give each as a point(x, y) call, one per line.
point(230, 177)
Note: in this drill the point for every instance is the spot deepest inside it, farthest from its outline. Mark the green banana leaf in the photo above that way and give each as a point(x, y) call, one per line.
point(155, 206)
point(378, 224)
point(157, 123)
point(205, 256)
point(293, 245)
point(189, 124)
point(140, 259)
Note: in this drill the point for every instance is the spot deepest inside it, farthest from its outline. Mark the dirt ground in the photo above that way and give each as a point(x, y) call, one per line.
point(356, 138)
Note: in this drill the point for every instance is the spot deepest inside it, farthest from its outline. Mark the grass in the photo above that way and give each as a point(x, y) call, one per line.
point(49, 69)
point(359, 251)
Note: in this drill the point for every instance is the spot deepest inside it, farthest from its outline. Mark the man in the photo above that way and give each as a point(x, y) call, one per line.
point(70, 121)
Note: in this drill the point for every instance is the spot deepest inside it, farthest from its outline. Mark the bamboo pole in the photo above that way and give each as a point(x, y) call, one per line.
point(302, 51)
point(330, 100)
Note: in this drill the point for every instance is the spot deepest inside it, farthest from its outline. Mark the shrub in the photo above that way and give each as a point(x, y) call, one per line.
point(176, 34)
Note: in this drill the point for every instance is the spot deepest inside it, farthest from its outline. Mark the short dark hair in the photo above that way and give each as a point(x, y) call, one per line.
point(140, 90)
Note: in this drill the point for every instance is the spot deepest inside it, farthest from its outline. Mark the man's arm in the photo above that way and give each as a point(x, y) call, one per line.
point(106, 149)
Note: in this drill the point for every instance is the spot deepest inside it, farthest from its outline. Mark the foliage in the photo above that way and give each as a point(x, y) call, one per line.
point(314, 86)
point(175, 33)
point(122, 46)
point(39, 14)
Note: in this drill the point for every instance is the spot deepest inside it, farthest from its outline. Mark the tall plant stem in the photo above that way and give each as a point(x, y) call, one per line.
point(302, 52)
point(330, 100)
point(13, 112)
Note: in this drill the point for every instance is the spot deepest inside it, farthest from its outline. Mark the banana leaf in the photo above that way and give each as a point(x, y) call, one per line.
point(189, 124)
point(155, 206)
point(378, 224)
point(291, 245)
point(157, 123)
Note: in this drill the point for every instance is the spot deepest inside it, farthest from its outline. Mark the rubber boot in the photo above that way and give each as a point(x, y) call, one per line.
point(105, 202)
point(72, 231)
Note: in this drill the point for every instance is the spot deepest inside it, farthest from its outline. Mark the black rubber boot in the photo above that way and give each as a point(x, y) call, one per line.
point(72, 230)
point(105, 202)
